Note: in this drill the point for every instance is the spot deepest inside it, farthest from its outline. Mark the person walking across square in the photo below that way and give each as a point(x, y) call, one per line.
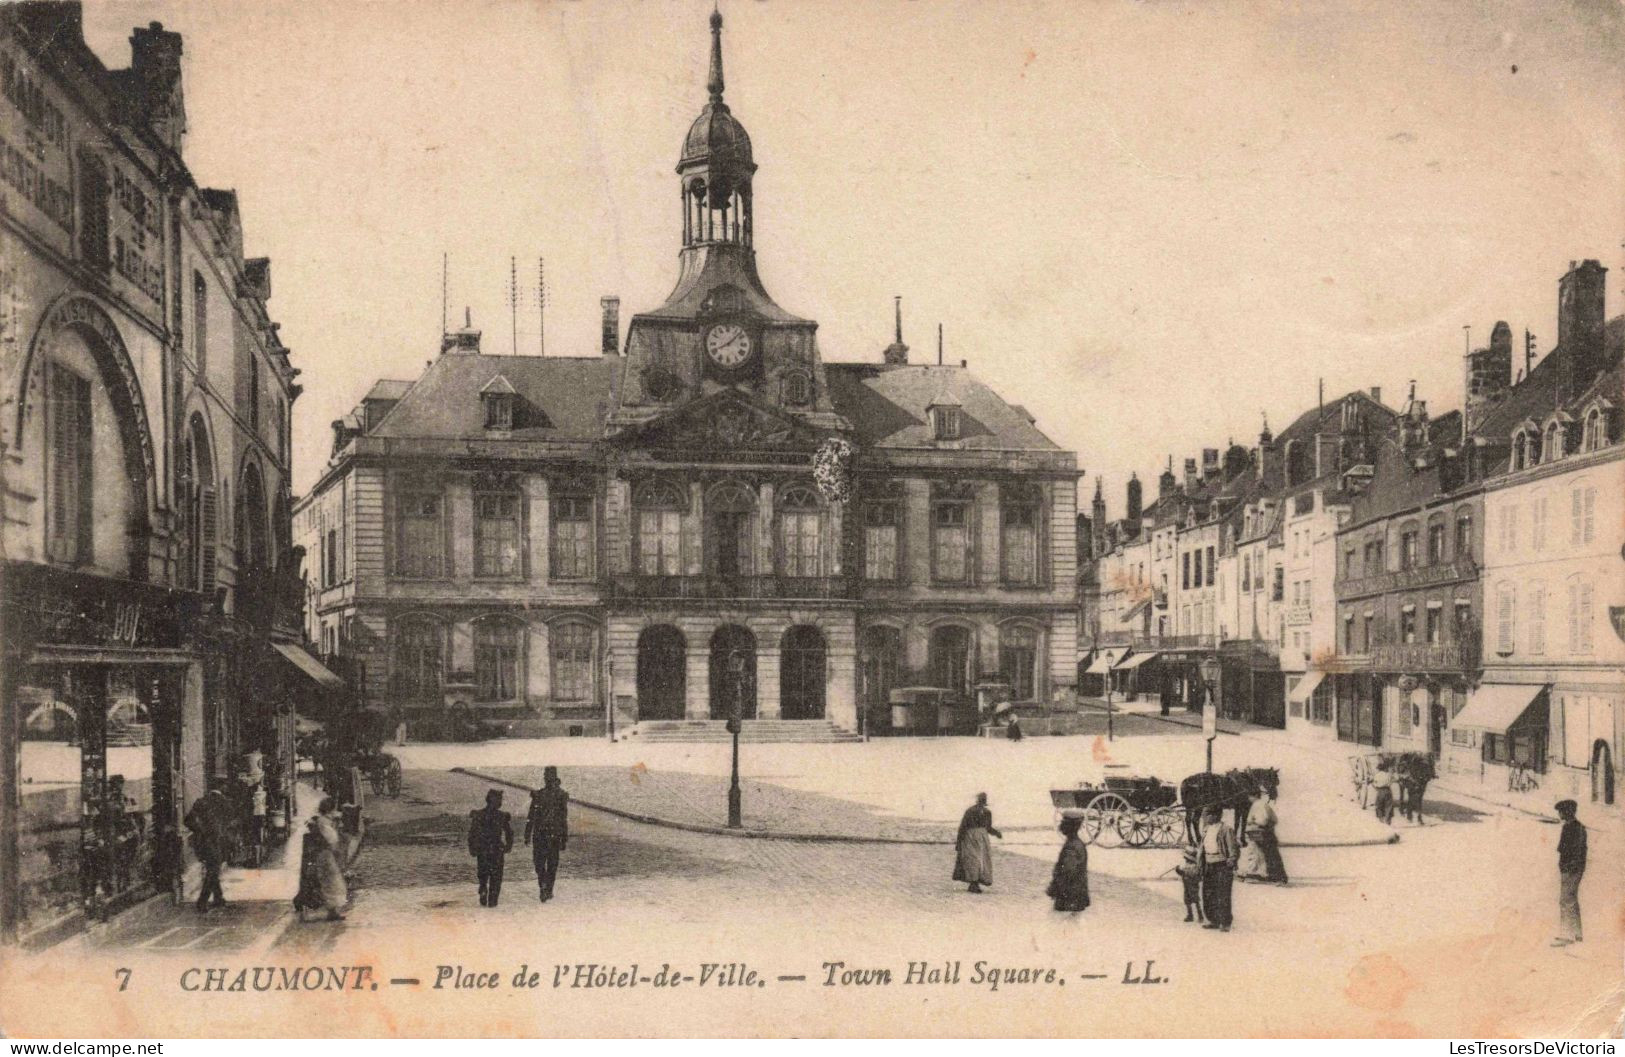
point(547, 829)
point(1571, 866)
point(490, 839)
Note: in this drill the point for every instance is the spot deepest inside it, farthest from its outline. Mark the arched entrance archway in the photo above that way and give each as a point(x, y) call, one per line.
point(801, 673)
point(662, 672)
point(733, 672)
point(1602, 773)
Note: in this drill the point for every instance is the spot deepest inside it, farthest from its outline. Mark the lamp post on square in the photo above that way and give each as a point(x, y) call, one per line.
point(1211, 672)
point(736, 712)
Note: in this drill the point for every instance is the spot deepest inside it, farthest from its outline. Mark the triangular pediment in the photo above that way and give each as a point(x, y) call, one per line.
point(728, 421)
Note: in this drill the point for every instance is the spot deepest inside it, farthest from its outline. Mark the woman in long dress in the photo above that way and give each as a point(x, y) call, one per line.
point(973, 862)
point(325, 844)
point(1069, 886)
point(1261, 855)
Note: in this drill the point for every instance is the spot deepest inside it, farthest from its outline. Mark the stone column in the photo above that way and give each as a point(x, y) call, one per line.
point(539, 514)
point(841, 684)
point(767, 672)
point(697, 689)
point(538, 665)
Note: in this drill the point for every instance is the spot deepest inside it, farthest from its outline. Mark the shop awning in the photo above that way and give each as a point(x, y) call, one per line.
point(1135, 661)
point(309, 665)
point(1306, 687)
point(1104, 660)
point(1497, 706)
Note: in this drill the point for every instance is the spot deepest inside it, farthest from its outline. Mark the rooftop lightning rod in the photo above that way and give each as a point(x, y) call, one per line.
point(513, 300)
point(541, 306)
point(445, 268)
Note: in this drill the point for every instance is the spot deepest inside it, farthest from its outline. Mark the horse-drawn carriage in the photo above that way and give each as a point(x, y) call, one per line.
point(1146, 812)
point(1411, 771)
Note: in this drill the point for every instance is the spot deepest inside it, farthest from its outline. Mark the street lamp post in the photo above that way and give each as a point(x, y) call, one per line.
point(1210, 707)
point(736, 712)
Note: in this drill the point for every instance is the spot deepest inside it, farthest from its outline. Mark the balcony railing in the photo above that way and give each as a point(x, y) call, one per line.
point(1406, 579)
point(700, 588)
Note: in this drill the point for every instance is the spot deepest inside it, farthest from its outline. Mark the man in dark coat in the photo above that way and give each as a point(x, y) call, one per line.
point(490, 839)
point(1571, 866)
point(1069, 884)
point(548, 825)
point(210, 823)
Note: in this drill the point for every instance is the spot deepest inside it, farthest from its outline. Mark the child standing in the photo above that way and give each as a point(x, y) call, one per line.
point(1190, 875)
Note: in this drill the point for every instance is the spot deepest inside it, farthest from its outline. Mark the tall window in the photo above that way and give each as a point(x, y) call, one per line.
point(800, 526)
point(200, 322)
point(1506, 603)
point(1018, 543)
point(1537, 523)
point(1435, 621)
point(1436, 543)
point(660, 531)
point(880, 541)
point(1596, 433)
point(1554, 442)
point(572, 537)
point(1582, 616)
point(1018, 662)
point(419, 655)
point(1464, 536)
point(1536, 621)
point(950, 657)
point(1509, 528)
point(94, 189)
point(1212, 567)
point(69, 457)
point(1348, 633)
point(572, 653)
point(420, 549)
point(1407, 549)
point(1407, 624)
point(253, 393)
point(330, 558)
point(497, 535)
point(1278, 590)
point(1582, 514)
point(1185, 571)
point(496, 660)
point(950, 542)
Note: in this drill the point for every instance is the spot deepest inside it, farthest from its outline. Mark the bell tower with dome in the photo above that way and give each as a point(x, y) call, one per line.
point(719, 330)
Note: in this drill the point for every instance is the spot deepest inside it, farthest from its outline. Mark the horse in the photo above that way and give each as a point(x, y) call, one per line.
point(1232, 791)
point(1414, 770)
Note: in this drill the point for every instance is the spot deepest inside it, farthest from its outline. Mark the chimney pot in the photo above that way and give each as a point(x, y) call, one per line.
point(611, 342)
point(1376, 393)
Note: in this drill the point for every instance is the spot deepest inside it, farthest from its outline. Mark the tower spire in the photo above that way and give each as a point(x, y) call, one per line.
point(714, 83)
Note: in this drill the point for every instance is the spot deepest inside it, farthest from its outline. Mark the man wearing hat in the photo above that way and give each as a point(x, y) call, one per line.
point(490, 839)
point(549, 824)
point(1571, 866)
point(1069, 885)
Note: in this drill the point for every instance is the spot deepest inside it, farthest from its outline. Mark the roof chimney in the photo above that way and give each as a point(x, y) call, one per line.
point(1191, 479)
point(896, 353)
point(611, 345)
point(1376, 393)
point(1133, 506)
point(1210, 463)
point(463, 342)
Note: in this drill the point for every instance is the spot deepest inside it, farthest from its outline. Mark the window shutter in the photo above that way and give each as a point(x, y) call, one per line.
point(1588, 532)
point(1576, 516)
point(209, 512)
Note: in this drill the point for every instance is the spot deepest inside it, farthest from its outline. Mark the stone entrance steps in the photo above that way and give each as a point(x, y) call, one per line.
point(812, 731)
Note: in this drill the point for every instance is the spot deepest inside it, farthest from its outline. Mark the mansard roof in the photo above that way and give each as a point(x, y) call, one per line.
point(889, 408)
point(560, 398)
point(1542, 392)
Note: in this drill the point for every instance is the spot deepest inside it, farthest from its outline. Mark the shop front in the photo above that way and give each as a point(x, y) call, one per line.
point(95, 776)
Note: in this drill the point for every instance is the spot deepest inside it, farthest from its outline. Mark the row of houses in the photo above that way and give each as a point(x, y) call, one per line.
point(149, 581)
point(1386, 578)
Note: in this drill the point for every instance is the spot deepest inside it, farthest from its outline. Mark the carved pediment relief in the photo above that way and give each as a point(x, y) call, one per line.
point(720, 424)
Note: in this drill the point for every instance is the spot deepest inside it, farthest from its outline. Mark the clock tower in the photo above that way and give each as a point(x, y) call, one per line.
point(719, 329)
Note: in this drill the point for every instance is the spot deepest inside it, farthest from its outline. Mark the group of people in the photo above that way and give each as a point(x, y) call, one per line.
point(1211, 864)
point(547, 831)
point(1399, 786)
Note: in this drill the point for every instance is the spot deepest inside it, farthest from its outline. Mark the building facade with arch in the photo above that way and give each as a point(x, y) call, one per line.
point(701, 517)
point(133, 618)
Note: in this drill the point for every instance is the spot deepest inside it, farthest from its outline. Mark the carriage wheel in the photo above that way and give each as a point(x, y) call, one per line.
point(1136, 828)
point(1091, 825)
point(1169, 826)
point(1109, 807)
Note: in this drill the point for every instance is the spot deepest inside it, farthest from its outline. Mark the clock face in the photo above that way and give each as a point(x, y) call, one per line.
point(728, 345)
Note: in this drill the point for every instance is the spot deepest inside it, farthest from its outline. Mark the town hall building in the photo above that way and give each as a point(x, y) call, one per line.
point(709, 519)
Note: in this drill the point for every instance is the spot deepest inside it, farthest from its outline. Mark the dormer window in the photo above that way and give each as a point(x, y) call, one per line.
point(1596, 435)
point(945, 422)
point(497, 398)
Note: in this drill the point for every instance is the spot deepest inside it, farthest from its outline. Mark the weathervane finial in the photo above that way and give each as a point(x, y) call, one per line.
point(714, 84)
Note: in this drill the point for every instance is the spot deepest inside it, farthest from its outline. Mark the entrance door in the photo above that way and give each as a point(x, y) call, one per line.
point(662, 673)
point(801, 673)
point(1436, 722)
point(881, 648)
point(733, 672)
point(1602, 773)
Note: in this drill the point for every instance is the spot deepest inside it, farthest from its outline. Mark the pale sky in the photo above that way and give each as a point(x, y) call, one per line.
point(1146, 222)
